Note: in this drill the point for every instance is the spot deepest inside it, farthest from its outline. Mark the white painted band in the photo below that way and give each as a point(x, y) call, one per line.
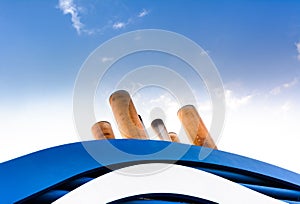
point(174, 179)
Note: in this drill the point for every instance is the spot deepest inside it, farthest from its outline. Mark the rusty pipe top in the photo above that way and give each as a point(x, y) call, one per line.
point(194, 127)
point(128, 121)
point(102, 130)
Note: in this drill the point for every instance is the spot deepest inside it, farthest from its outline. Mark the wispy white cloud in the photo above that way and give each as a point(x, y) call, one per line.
point(119, 25)
point(277, 90)
point(234, 102)
point(291, 83)
point(69, 7)
point(298, 50)
point(143, 13)
point(107, 59)
point(122, 24)
point(76, 11)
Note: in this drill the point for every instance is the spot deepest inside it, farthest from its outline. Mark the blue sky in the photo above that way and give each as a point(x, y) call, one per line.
point(253, 44)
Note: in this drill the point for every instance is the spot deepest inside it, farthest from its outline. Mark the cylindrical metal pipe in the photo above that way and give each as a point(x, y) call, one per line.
point(160, 129)
point(174, 137)
point(128, 121)
point(194, 127)
point(102, 130)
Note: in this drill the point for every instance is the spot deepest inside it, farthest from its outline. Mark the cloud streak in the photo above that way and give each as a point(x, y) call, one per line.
point(143, 13)
point(107, 59)
point(298, 50)
point(277, 90)
point(119, 25)
point(68, 7)
point(234, 102)
point(122, 24)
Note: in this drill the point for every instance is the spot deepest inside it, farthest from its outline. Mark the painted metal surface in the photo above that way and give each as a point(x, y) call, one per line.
point(33, 173)
point(175, 179)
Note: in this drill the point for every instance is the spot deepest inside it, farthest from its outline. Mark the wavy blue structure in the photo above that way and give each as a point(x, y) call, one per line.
point(45, 176)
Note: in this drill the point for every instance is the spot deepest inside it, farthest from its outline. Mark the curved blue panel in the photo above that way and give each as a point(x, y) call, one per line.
point(76, 183)
point(236, 177)
point(278, 192)
point(291, 202)
point(33, 173)
point(50, 196)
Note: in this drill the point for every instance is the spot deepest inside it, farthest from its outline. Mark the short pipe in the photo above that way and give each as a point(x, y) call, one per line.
point(160, 129)
point(102, 130)
point(174, 137)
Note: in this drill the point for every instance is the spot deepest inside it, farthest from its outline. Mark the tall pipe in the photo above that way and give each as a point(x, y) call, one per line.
point(102, 130)
point(160, 129)
point(128, 121)
point(174, 137)
point(194, 127)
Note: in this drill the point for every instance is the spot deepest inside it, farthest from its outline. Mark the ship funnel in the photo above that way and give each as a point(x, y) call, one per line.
point(160, 129)
point(173, 136)
point(194, 127)
point(102, 130)
point(128, 121)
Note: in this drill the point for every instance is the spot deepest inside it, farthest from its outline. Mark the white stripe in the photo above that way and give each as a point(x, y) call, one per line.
point(173, 179)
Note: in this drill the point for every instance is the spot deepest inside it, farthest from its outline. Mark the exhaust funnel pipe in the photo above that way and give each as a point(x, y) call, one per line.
point(160, 129)
point(128, 121)
point(174, 137)
point(102, 130)
point(194, 127)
